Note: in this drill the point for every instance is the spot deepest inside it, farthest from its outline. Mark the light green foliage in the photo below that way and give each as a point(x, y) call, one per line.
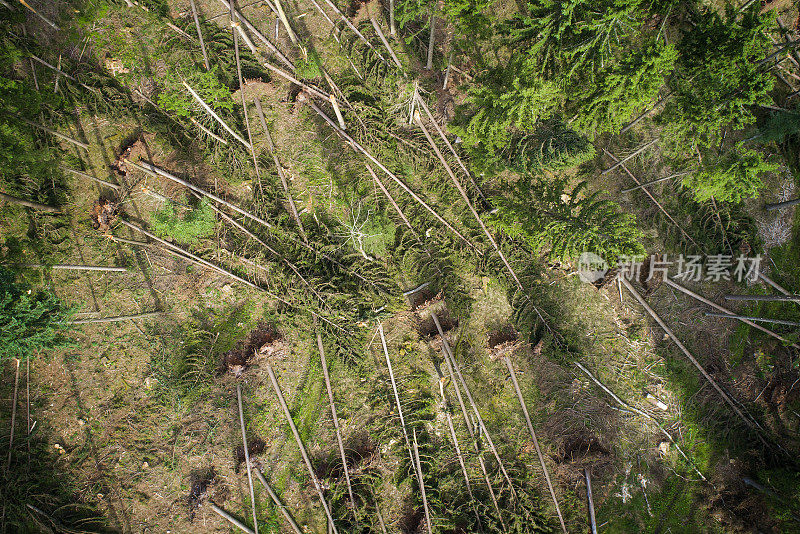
point(176, 98)
point(732, 178)
point(622, 89)
point(564, 223)
point(309, 67)
point(720, 78)
point(504, 102)
point(185, 226)
point(30, 321)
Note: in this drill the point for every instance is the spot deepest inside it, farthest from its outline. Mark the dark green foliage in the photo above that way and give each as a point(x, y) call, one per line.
point(564, 222)
point(780, 126)
point(502, 103)
point(720, 78)
point(551, 146)
point(30, 321)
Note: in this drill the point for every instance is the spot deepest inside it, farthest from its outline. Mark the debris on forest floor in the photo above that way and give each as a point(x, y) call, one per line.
point(606, 280)
point(580, 447)
point(255, 446)
point(104, 211)
point(264, 340)
point(424, 305)
point(360, 452)
point(132, 149)
point(650, 281)
point(200, 480)
point(503, 342)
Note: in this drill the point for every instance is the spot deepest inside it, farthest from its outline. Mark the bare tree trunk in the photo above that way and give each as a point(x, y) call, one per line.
point(215, 116)
point(200, 35)
point(449, 145)
point(704, 300)
point(232, 520)
point(751, 318)
point(422, 484)
point(448, 353)
point(590, 501)
point(353, 28)
point(29, 204)
point(637, 411)
point(652, 182)
point(335, 417)
point(247, 456)
point(770, 282)
point(649, 194)
point(64, 267)
point(116, 319)
point(392, 28)
point(161, 172)
point(90, 177)
point(277, 501)
point(431, 40)
point(260, 36)
point(358, 148)
point(52, 132)
point(285, 21)
point(383, 39)
point(303, 453)
point(244, 104)
point(513, 374)
point(391, 199)
point(765, 298)
point(281, 174)
point(630, 156)
point(747, 419)
point(781, 205)
point(14, 414)
point(396, 394)
point(196, 259)
point(469, 203)
point(44, 19)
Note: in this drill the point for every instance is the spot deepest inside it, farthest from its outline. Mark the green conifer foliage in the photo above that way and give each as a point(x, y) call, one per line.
point(564, 222)
point(30, 321)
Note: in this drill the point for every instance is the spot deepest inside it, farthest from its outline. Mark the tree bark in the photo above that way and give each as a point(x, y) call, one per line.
point(29, 204)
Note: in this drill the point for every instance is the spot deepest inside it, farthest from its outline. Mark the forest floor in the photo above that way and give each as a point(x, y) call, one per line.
point(133, 440)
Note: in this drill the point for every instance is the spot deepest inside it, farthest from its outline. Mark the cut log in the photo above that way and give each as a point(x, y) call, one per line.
point(278, 503)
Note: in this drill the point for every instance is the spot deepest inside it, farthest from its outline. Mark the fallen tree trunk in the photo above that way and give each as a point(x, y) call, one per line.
point(116, 319)
point(279, 168)
point(247, 456)
point(633, 409)
point(649, 194)
point(278, 504)
point(747, 419)
point(90, 177)
point(513, 375)
point(358, 148)
point(29, 204)
point(704, 300)
point(300, 445)
point(449, 355)
point(335, 417)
